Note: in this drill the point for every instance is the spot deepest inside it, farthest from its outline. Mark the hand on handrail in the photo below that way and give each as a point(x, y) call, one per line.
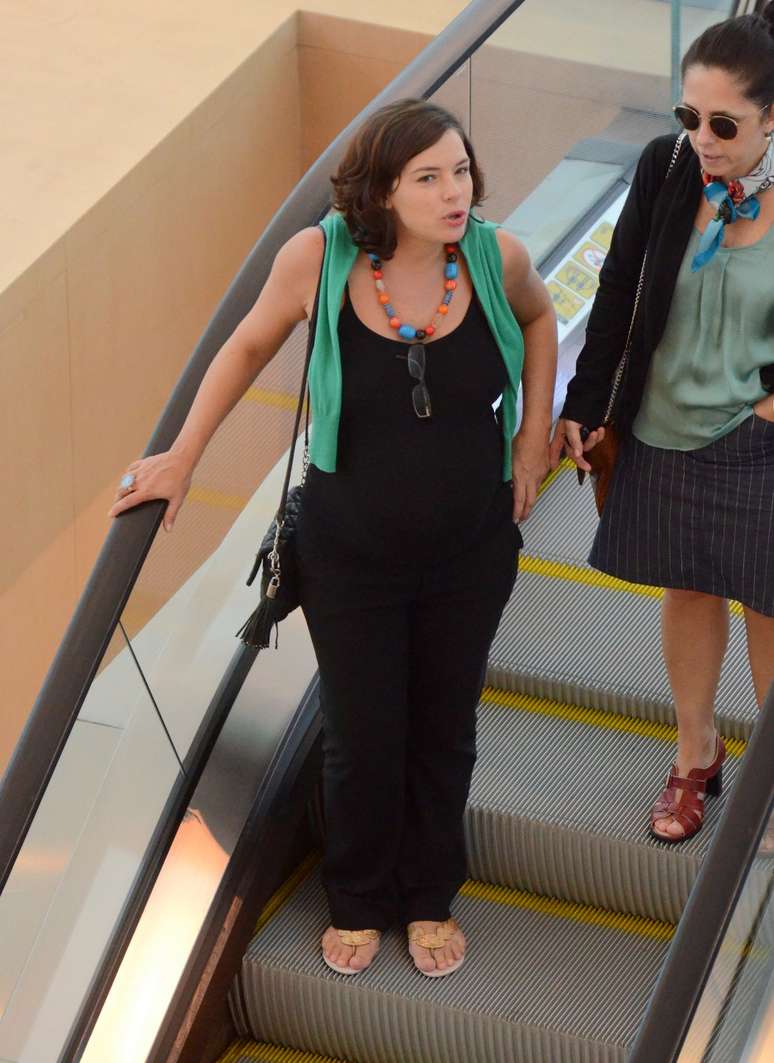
point(166, 475)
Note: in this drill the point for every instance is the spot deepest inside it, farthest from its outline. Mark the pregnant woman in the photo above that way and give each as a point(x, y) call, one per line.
point(408, 540)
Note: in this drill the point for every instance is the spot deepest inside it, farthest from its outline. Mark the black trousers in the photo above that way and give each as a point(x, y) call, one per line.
point(402, 650)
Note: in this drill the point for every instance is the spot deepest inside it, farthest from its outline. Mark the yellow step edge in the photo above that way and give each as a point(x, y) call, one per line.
point(278, 399)
point(664, 732)
point(579, 574)
point(484, 891)
point(277, 899)
point(578, 913)
point(219, 499)
point(265, 1053)
point(590, 576)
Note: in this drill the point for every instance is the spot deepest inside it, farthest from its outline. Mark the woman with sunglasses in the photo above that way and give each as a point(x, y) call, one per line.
point(691, 504)
point(408, 542)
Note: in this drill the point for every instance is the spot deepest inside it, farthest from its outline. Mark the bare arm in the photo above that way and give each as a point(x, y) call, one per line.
point(285, 300)
point(534, 311)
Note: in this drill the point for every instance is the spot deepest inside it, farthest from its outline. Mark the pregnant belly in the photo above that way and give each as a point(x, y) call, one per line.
point(417, 509)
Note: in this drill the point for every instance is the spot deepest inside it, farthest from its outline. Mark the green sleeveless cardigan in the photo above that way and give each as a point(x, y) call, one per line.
point(482, 256)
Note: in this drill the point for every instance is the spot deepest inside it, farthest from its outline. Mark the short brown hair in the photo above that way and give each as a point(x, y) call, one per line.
point(376, 157)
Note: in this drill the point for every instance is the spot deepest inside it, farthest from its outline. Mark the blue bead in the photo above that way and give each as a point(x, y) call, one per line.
point(451, 271)
point(408, 332)
point(390, 310)
point(448, 297)
point(373, 257)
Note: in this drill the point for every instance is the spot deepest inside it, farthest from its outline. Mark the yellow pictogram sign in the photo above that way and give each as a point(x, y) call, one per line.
point(603, 234)
point(578, 280)
point(590, 255)
point(566, 304)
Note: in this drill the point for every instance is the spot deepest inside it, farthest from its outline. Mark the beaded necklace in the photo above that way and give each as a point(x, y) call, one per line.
point(408, 332)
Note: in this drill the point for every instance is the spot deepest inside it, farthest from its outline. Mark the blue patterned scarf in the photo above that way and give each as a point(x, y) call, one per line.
point(737, 199)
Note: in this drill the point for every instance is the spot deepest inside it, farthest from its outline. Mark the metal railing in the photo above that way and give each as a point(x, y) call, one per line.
point(122, 556)
point(712, 902)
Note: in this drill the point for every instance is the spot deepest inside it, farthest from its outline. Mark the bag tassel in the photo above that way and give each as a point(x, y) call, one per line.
point(256, 630)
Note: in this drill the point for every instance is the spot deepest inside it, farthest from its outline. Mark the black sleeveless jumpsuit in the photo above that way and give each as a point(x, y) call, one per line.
point(407, 556)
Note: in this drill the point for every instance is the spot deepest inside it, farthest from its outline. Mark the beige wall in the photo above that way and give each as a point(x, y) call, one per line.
point(94, 335)
point(94, 332)
point(93, 338)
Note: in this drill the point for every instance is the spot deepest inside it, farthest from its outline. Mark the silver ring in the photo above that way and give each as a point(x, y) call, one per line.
point(127, 482)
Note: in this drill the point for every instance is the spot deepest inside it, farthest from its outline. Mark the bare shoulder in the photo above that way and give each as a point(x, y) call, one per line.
point(525, 291)
point(516, 262)
point(298, 262)
point(514, 254)
point(302, 253)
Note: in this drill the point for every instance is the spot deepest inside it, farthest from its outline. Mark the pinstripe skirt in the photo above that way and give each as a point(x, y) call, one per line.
point(700, 520)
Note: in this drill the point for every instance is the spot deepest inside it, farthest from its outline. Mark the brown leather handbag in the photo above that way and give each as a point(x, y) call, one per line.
point(602, 459)
point(603, 456)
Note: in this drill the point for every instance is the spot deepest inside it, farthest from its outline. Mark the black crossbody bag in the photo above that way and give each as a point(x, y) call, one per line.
point(280, 592)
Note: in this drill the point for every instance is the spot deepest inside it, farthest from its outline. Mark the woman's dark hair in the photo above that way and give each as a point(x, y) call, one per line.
point(375, 159)
point(744, 48)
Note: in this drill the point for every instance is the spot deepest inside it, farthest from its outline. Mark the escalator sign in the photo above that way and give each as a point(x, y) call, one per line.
point(578, 280)
point(565, 303)
point(590, 255)
point(603, 234)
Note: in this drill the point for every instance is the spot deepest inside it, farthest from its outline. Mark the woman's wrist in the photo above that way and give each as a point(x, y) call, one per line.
point(534, 429)
point(189, 450)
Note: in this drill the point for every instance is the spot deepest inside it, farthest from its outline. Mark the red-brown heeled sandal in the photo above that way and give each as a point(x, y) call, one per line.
point(689, 810)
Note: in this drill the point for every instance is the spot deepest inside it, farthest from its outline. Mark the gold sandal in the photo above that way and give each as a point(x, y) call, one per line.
point(353, 938)
point(435, 939)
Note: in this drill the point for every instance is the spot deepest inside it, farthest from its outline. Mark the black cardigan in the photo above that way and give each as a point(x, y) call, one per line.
point(659, 213)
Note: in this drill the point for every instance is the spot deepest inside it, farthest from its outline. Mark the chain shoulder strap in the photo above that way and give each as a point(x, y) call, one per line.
point(640, 284)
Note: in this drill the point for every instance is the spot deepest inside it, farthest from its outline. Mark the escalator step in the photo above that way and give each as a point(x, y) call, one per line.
point(544, 980)
point(256, 1052)
point(559, 805)
point(562, 524)
point(579, 636)
point(575, 642)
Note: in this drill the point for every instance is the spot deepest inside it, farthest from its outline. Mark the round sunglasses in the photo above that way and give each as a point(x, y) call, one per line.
point(723, 127)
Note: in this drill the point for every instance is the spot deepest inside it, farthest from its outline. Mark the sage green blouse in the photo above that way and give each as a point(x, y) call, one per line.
point(704, 375)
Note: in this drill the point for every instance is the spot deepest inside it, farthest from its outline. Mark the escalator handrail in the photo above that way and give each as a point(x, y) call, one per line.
point(121, 558)
point(129, 539)
point(712, 901)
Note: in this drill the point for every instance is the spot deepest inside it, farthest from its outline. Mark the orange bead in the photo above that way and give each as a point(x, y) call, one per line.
point(377, 274)
point(384, 298)
point(450, 286)
point(429, 331)
point(443, 309)
point(394, 322)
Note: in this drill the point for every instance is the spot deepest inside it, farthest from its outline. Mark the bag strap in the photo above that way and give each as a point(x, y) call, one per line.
point(640, 284)
point(302, 393)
